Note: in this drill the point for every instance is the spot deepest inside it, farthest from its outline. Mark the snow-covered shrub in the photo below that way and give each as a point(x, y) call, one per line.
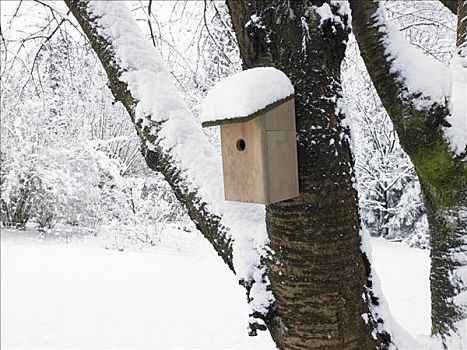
point(21, 148)
point(69, 155)
point(15, 200)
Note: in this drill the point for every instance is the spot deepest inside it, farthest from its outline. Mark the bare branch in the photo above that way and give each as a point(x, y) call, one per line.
point(63, 15)
point(210, 35)
point(150, 25)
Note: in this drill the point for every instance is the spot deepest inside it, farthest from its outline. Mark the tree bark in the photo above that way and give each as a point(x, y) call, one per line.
point(317, 270)
point(443, 176)
point(208, 224)
point(461, 41)
point(451, 5)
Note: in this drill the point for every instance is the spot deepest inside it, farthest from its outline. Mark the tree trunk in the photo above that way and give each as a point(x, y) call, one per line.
point(443, 176)
point(451, 5)
point(320, 278)
point(317, 270)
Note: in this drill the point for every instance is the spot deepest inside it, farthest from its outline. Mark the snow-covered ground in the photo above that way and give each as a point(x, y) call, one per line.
point(404, 273)
point(176, 295)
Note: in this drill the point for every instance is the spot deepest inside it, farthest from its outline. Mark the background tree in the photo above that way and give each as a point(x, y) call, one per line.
point(389, 192)
point(70, 161)
point(432, 132)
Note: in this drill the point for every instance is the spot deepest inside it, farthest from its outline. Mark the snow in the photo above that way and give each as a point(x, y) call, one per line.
point(457, 133)
point(305, 35)
point(255, 21)
point(420, 72)
point(390, 259)
point(343, 9)
point(180, 294)
point(160, 106)
point(400, 337)
point(245, 93)
point(325, 12)
point(437, 82)
point(56, 295)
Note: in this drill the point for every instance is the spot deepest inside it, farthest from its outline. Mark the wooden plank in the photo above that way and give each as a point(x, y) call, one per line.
point(282, 167)
point(280, 118)
point(266, 170)
point(243, 169)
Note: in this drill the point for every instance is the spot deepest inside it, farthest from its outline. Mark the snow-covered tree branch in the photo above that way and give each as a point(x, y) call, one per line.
point(303, 231)
point(117, 63)
point(424, 105)
point(173, 143)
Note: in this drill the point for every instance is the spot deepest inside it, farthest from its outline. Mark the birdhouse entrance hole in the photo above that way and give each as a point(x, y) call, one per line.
point(241, 144)
point(258, 135)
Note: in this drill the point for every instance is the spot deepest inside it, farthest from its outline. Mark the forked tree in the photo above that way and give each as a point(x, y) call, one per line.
point(423, 120)
point(308, 279)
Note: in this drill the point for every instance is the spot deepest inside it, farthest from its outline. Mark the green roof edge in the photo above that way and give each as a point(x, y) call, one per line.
point(247, 117)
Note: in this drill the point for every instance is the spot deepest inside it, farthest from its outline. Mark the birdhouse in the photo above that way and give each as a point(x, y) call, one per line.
point(256, 113)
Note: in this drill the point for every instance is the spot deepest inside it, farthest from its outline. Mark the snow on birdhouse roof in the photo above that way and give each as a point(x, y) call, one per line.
point(242, 96)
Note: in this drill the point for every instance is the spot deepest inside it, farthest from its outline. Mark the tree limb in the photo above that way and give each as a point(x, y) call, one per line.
point(157, 159)
point(442, 174)
point(416, 116)
point(461, 41)
point(451, 5)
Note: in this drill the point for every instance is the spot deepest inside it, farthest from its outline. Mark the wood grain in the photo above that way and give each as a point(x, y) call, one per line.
point(243, 170)
point(266, 170)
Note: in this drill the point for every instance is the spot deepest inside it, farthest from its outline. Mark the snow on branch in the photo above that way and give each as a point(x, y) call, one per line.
point(420, 73)
point(457, 133)
point(414, 88)
point(166, 126)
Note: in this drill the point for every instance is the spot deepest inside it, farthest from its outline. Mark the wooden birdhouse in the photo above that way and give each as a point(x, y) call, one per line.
point(256, 113)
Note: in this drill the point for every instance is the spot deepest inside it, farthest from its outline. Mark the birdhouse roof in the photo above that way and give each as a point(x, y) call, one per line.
point(243, 96)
